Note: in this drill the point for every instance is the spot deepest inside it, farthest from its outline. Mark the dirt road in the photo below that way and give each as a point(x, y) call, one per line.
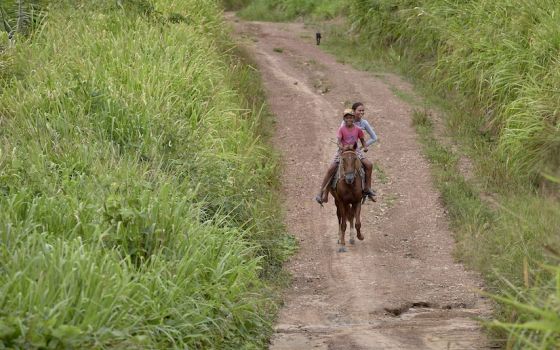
point(397, 289)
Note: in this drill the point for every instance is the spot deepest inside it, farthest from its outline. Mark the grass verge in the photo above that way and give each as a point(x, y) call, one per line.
point(137, 193)
point(502, 228)
point(286, 10)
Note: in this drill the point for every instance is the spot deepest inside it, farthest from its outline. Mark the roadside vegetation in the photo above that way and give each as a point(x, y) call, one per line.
point(286, 10)
point(491, 70)
point(138, 203)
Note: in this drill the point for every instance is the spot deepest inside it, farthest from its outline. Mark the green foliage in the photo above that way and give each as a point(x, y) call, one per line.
point(285, 10)
point(235, 4)
point(421, 120)
point(21, 17)
point(501, 56)
point(538, 326)
point(137, 197)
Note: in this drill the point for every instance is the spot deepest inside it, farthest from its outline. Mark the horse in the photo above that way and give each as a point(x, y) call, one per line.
point(348, 195)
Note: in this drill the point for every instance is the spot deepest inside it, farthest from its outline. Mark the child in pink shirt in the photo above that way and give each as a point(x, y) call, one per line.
point(347, 134)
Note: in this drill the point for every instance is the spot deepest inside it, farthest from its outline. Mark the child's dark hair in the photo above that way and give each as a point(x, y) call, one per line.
point(356, 105)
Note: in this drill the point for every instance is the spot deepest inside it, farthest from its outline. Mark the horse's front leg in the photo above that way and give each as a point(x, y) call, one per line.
point(352, 233)
point(342, 228)
point(338, 216)
point(357, 210)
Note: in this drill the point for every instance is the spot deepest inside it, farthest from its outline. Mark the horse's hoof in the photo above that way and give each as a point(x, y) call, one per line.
point(360, 236)
point(319, 200)
point(342, 249)
point(352, 241)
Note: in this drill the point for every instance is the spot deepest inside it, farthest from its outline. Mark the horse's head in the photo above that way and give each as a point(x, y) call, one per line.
point(349, 164)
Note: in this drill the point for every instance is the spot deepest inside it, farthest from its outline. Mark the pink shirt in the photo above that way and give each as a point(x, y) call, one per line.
point(349, 136)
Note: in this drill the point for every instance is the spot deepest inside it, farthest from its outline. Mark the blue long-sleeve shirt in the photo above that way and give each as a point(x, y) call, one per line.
point(364, 125)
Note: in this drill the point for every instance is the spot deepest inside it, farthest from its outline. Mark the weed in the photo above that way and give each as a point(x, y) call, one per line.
point(405, 96)
point(390, 200)
point(285, 10)
point(421, 119)
point(380, 173)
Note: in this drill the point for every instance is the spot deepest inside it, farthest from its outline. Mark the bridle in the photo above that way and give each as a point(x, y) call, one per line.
point(349, 176)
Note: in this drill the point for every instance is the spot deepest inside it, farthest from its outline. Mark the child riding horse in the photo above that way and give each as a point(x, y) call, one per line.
point(348, 134)
point(348, 195)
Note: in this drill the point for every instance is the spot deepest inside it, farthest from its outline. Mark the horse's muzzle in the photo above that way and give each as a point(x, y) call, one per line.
point(349, 178)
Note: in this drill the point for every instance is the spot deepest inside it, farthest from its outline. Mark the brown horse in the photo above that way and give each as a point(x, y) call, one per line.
point(348, 195)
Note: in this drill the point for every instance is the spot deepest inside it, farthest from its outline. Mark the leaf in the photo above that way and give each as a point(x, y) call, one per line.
point(543, 325)
point(117, 333)
point(36, 339)
point(66, 332)
point(7, 331)
point(141, 339)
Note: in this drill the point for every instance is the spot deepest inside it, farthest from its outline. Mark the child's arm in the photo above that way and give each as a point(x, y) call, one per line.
point(339, 137)
point(339, 142)
point(364, 144)
point(372, 135)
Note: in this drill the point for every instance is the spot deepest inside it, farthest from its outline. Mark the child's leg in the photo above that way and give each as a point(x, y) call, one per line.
point(368, 167)
point(323, 196)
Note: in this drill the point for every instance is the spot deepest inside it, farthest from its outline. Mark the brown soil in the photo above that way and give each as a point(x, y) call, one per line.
point(399, 288)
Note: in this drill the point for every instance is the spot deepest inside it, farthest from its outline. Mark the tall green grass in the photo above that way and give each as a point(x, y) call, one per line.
point(285, 10)
point(235, 4)
point(137, 196)
point(538, 326)
point(500, 56)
